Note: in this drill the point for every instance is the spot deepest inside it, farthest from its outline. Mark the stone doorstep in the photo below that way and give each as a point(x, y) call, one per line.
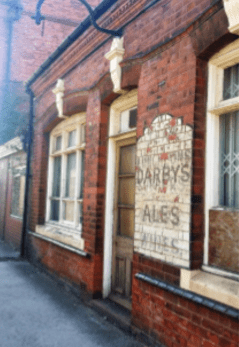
point(121, 317)
point(8, 253)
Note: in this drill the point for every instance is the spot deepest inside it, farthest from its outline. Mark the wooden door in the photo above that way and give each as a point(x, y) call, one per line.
point(123, 222)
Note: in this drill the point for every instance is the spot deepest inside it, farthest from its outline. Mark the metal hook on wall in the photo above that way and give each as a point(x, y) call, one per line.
point(38, 18)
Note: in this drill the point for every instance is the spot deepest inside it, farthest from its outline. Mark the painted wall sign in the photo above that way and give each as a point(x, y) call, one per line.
point(163, 190)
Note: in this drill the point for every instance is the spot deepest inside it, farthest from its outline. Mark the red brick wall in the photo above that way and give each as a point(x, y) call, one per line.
point(39, 179)
point(32, 44)
point(72, 268)
point(177, 322)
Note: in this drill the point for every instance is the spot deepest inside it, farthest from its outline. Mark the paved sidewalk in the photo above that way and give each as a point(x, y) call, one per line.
point(36, 311)
point(7, 252)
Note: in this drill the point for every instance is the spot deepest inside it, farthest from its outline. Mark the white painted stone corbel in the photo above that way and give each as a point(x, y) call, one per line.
point(115, 56)
point(232, 12)
point(59, 92)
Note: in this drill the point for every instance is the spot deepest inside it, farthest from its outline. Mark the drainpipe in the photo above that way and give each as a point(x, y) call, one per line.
point(28, 169)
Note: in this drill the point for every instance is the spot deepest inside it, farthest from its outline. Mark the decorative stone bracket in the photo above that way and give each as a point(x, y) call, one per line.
point(59, 92)
point(232, 12)
point(115, 56)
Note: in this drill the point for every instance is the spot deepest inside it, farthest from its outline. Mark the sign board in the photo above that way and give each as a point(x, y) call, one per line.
point(163, 190)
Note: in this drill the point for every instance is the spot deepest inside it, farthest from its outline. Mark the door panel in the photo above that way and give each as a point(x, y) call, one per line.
point(124, 220)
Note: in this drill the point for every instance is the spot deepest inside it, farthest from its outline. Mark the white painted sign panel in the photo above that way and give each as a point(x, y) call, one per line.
point(163, 190)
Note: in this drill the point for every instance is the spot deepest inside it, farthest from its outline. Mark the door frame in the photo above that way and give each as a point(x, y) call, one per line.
point(121, 104)
point(126, 141)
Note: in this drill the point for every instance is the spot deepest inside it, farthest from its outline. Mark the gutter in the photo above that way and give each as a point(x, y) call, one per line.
point(28, 175)
point(103, 7)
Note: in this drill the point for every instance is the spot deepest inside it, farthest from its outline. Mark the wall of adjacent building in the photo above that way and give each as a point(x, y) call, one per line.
point(29, 45)
point(13, 164)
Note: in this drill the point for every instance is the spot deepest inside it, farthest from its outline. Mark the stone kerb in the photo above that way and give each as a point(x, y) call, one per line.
point(163, 190)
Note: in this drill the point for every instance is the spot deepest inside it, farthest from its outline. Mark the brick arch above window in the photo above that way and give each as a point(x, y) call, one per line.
point(206, 41)
point(74, 102)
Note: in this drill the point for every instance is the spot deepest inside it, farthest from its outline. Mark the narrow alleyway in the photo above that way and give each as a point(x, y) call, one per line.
point(37, 312)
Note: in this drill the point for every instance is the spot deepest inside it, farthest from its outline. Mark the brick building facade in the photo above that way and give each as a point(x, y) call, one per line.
point(12, 189)
point(135, 186)
point(24, 47)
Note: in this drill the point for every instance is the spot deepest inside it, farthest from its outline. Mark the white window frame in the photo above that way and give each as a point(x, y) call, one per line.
point(227, 57)
point(123, 103)
point(76, 122)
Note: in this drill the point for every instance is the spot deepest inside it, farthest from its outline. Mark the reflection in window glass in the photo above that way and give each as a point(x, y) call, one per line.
point(132, 118)
point(58, 143)
point(82, 174)
point(15, 194)
point(231, 82)
point(72, 138)
point(18, 193)
point(71, 175)
point(229, 160)
point(83, 133)
point(56, 186)
point(67, 173)
point(68, 210)
point(55, 210)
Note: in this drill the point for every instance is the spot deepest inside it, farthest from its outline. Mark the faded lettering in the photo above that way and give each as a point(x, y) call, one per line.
point(163, 189)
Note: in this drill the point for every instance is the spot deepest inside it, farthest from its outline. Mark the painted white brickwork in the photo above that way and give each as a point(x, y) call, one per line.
point(163, 191)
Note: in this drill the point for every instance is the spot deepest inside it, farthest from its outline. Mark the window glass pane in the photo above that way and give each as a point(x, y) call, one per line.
point(231, 82)
point(68, 210)
point(21, 195)
point(126, 191)
point(56, 179)
point(132, 118)
point(15, 195)
point(58, 143)
point(71, 175)
point(229, 160)
point(236, 161)
point(55, 210)
point(124, 121)
point(72, 138)
point(127, 159)
point(82, 174)
point(126, 222)
point(83, 133)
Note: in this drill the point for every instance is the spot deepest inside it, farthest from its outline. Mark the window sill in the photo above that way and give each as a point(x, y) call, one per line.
point(224, 208)
point(62, 234)
point(60, 244)
point(215, 287)
point(16, 217)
